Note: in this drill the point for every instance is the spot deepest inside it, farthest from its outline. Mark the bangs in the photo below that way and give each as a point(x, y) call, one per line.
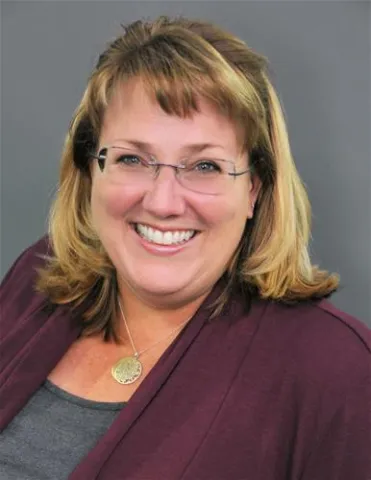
point(177, 74)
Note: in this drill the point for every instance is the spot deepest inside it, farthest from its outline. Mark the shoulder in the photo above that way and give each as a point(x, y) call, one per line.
point(320, 321)
point(323, 345)
point(25, 266)
point(17, 289)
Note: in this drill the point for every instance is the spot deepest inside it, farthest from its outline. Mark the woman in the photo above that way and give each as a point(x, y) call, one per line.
point(179, 329)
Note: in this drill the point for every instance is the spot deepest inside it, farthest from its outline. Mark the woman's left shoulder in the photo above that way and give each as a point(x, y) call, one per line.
point(353, 329)
point(323, 322)
point(325, 343)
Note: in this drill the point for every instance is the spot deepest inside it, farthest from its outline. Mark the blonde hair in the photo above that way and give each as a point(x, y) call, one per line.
point(178, 61)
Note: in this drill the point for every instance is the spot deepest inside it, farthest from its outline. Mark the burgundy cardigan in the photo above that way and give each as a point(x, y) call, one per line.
point(279, 393)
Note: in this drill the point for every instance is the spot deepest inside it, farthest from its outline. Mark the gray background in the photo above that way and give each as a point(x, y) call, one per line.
point(320, 62)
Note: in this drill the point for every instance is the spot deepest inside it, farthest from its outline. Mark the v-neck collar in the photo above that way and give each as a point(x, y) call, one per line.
point(89, 468)
point(46, 338)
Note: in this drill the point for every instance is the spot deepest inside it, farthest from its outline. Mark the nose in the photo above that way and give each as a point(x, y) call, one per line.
point(165, 197)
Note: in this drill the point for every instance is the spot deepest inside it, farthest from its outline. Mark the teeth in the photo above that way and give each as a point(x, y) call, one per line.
point(156, 236)
point(167, 238)
point(163, 238)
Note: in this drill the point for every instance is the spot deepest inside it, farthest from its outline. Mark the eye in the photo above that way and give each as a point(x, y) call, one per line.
point(207, 166)
point(129, 160)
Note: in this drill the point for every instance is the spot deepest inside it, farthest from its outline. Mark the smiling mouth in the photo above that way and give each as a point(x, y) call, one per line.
point(159, 237)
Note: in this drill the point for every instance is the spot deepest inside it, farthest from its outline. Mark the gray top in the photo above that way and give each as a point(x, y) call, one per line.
point(52, 433)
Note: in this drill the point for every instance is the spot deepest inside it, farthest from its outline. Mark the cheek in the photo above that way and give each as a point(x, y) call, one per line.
point(229, 212)
point(111, 201)
point(227, 224)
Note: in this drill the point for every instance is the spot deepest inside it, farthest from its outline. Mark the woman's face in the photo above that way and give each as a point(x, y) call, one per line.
point(174, 274)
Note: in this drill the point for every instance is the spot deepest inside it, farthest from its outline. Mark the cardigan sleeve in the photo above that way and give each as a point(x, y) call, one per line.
point(343, 450)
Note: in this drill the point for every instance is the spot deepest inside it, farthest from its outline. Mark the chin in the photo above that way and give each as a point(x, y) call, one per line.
point(165, 288)
point(164, 282)
point(156, 281)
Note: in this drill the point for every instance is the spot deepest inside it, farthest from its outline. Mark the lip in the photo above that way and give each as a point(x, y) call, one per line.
point(161, 250)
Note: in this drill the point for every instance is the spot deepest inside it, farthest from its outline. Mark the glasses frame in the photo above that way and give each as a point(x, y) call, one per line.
point(155, 163)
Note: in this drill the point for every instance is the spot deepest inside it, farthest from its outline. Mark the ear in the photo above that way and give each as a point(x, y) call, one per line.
point(255, 185)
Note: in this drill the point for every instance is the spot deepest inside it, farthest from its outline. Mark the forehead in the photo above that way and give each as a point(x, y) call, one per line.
point(134, 114)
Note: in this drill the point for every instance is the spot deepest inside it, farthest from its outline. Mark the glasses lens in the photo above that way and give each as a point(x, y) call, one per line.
point(206, 176)
point(127, 166)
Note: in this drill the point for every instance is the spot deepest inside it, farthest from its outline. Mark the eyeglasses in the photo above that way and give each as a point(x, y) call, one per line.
point(199, 174)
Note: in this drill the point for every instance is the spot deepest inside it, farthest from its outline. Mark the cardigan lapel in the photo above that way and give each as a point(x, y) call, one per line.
point(45, 339)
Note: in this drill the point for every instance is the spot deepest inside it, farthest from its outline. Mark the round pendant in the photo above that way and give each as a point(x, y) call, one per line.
point(127, 370)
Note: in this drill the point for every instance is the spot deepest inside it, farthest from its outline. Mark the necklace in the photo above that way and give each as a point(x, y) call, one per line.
point(128, 369)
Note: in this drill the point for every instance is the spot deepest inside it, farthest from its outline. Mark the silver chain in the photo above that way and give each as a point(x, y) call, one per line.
point(136, 353)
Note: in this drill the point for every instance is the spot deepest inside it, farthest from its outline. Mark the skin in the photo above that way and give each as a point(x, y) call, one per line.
point(153, 281)
point(159, 290)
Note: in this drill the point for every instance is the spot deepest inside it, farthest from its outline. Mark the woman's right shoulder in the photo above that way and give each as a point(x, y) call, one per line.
point(17, 290)
point(27, 263)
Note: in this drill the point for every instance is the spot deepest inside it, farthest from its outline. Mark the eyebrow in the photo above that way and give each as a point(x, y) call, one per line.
point(191, 148)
